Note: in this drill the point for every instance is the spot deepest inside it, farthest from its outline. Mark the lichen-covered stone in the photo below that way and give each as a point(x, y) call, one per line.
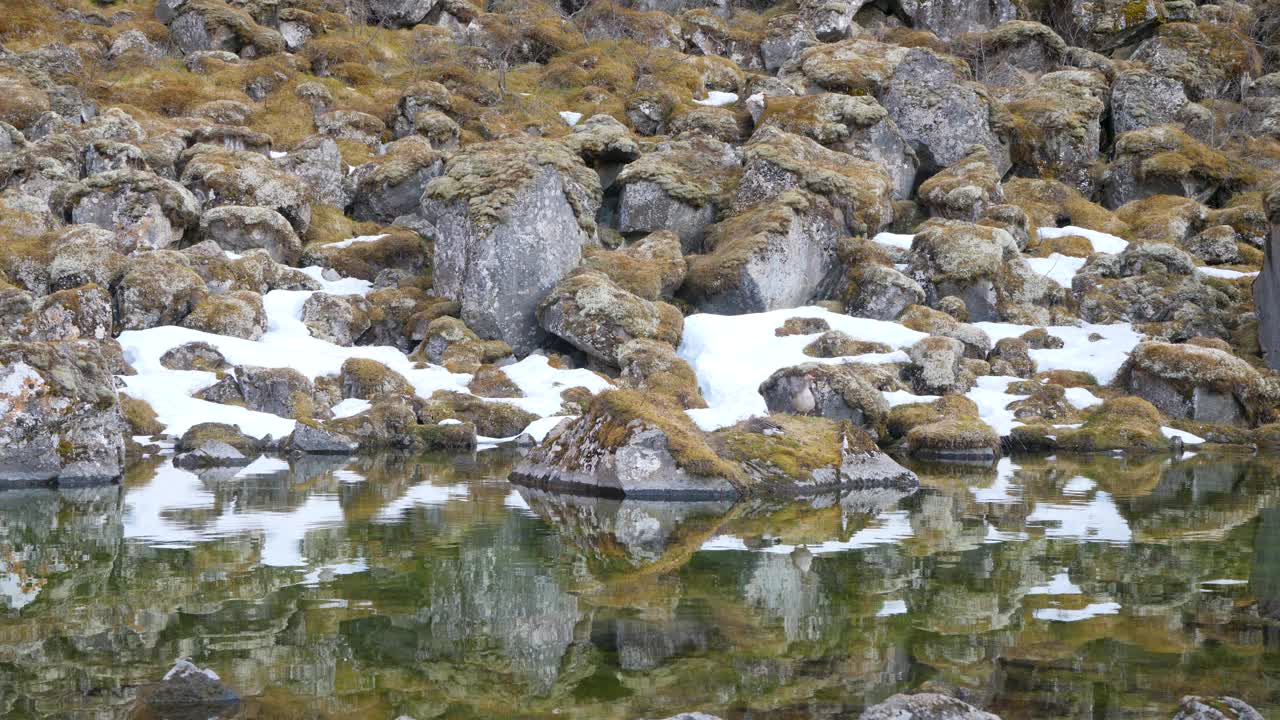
point(491, 418)
point(59, 414)
point(677, 187)
point(160, 288)
point(279, 391)
point(936, 367)
point(830, 391)
point(339, 319)
point(1162, 160)
point(370, 380)
point(1204, 384)
point(590, 312)
point(1058, 126)
point(237, 228)
point(236, 314)
point(153, 212)
point(511, 219)
point(1142, 99)
point(225, 177)
point(653, 268)
point(652, 367)
point(391, 184)
point(963, 190)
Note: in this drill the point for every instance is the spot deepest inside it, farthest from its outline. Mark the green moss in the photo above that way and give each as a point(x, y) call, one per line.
point(139, 416)
point(217, 432)
point(370, 379)
point(491, 418)
point(792, 445)
point(618, 409)
point(454, 436)
point(736, 240)
point(1125, 423)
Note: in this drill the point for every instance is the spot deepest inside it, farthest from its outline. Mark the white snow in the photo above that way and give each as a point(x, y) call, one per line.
point(1059, 584)
point(350, 407)
point(278, 154)
point(542, 384)
point(1081, 397)
point(733, 354)
point(1102, 358)
point(354, 241)
point(897, 240)
point(1186, 437)
point(990, 395)
point(326, 573)
point(1224, 273)
point(1068, 615)
point(1102, 242)
point(1057, 267)
point(892, 607)
point(570, 118)
point(716, 98)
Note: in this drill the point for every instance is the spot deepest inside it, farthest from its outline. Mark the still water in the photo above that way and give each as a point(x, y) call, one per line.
point(429, 587)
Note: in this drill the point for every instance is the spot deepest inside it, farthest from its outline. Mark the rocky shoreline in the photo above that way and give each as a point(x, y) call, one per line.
point(674, 248)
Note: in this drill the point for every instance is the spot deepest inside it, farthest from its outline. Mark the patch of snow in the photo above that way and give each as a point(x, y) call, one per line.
point(542, 384)
point(897, 240)
point(716, 98)
point(892, 607)
point(570, 118)
point(991, 396)
point(1186, 437)
point(733, 354)
point(1102, 242)
point(350, 408)
point(1081, 397)
point(277, 154)
point(1091, 610)
point(1224, 273)
point(1057, 267)
point(359, 239)
point(1102, 358)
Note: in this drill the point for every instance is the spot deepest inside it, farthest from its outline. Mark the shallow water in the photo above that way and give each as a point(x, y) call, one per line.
point(429, 587)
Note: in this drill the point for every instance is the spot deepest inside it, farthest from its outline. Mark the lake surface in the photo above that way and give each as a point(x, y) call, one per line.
point(430, 587)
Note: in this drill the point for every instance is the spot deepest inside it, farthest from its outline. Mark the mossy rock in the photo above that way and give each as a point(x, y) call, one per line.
point(653, 367)
point(495, 419)
point(370, 379)
point(197, 435)
point(139, 416)
point(491, 382)
point(1126, 423)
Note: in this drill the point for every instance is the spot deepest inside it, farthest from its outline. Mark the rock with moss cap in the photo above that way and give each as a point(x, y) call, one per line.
point(339, 319)
point(1209, 59)
point(238, 228)
point(422, 96)
point(937, 366)
point(831, 391)
point(1201, 382)
point(678, 187)
point(777, 161)
point(491, 418)
point(1057, 124)
point(1012, 52)
point(1142, 99)
point(1049, 203)
point(946, 430)
point(236, 314)
point(215, 445)
point(151, 211)
point(511, 219)
point(369, 380)
point(590, 312)
point(653, 367)
point(977, 344)
point(856, 125)
point(391, 184)
point(59, 414)
point(160, 288)
point(1125, 423)
point(204, 25)
point(652, 268)
point(1162, 160)
point(394, 248)
point(226, 177)
point(963, 190)
point(279, 391)
point(776, 254)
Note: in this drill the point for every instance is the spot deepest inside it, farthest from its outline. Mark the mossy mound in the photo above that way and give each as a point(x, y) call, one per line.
point(370, 379)
point(1126, 423)
point(1049, 203)
point(197, 435)
point(139, 416)
point(495, 419)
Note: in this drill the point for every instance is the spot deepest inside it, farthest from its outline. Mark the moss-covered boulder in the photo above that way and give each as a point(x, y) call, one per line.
point(937, 366)
point(964, 189)
point(229, 177)
point(1209, 59)
point(511, 219)
point(1142, 99)
point(1163, 160)
point(59, 414)
point(653, 268)
point(339, 319)
point(491, 418)
point(215, 445)
point(946, 430)
point(238, 229)
point(1058, 126)
point(1202, 383)
point(391, 184)
point(590, 312)
point(832, 391)
point(204, 25)
point(652, 366)
point(160, 288)
point(279, 391)
point(679, 186)
point(236, 314)
point(369, 380)
point(776, 254)
point(1126, 423)
point(153, 212)
point(977, 344)
point(395, 248)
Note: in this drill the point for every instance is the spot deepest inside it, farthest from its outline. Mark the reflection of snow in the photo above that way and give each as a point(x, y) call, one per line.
point(1060, 584)
point(1225, 581)
point(17, 592)
point(889, 528)
point(1097, 520)
point(892, 607)
point(996, 535)
point(515, 501)
point(1003, 491)
point(422, 494)
point(1067, 615)
point(263, 466)
point(326, 573)
point(1078, 485)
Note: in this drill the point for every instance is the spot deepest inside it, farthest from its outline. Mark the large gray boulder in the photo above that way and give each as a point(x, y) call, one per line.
point(391, 184)
point(677, 187)
point(511, 219)
point(238, 228)
point(59, 414)
point(160, 288)
point(832, 391)
point(153, 212)
point(590, 312)
point(949, 18)
point(1141, 99)
point(399, 13)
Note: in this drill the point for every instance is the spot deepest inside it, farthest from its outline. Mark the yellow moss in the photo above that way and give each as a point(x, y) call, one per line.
point(805, 444)
point(139, 416)
point(686, 443)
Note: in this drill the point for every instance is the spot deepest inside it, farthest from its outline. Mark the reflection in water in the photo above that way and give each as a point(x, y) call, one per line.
point(429, 587)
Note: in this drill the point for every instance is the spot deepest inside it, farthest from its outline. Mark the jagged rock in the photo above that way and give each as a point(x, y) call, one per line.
point(830, 391)
point(279, 391)
point(776, 254)
point(59, 414)
point(160, 288)
point(339, 319)
point(511, 219)
point(237, 228)
point(590, 312)
point(1205, 384)
point(939, 114)
point(676, 188)
point(1142, 99)
point(391, 184)
point(924, 706)
point(311, 439)
point(153, 212)
point(238, 314)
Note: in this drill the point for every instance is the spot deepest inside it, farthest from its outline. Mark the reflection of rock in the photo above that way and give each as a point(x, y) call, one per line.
point(188, 691)
point(1217, 708)
point(925, 706)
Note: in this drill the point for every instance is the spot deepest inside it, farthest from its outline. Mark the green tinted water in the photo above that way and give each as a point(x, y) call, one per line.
point(429, 587)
